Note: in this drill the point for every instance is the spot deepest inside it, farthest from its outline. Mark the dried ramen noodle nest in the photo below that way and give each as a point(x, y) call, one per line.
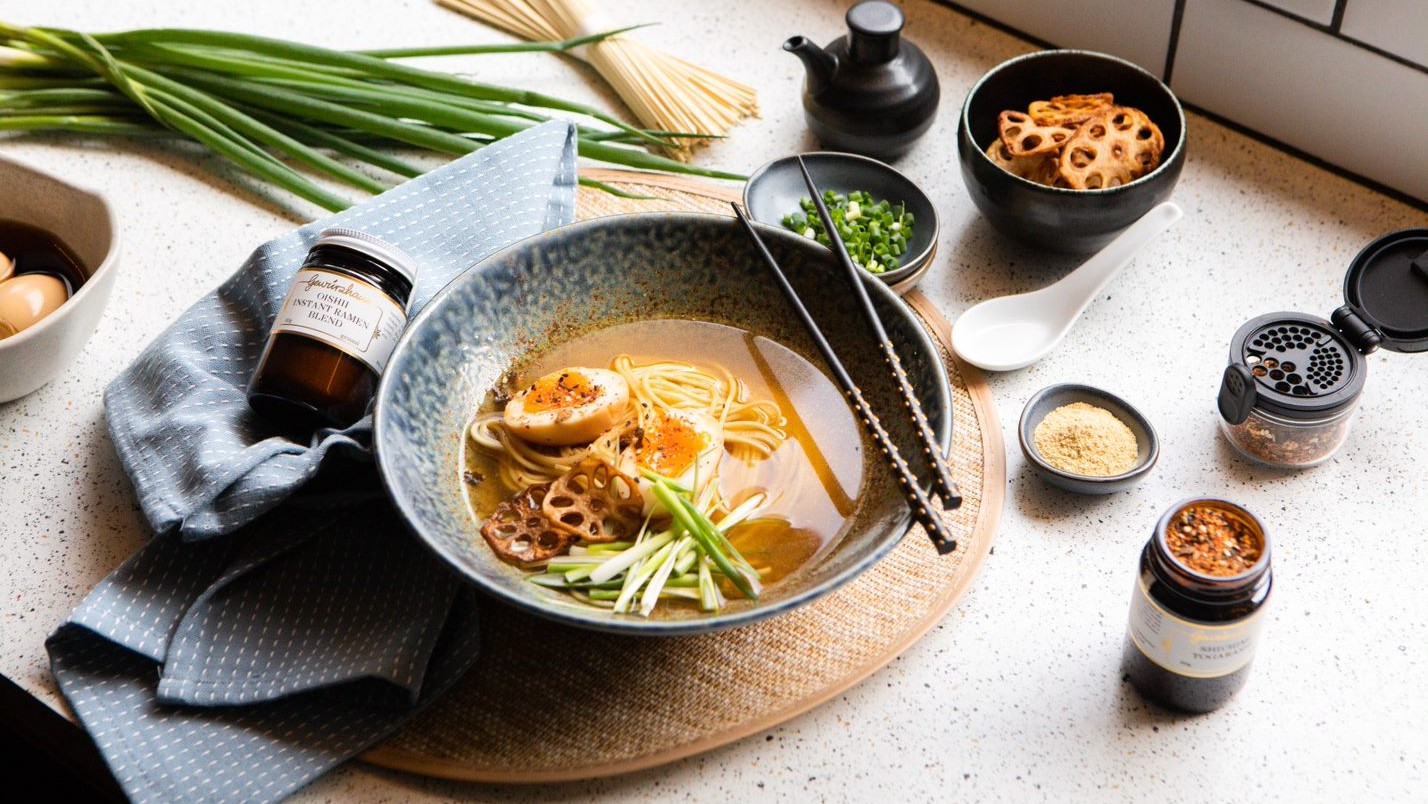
point(1084, 142)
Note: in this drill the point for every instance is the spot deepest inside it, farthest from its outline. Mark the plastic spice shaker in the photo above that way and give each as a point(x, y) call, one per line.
point(1293, 382)
point(343, 315)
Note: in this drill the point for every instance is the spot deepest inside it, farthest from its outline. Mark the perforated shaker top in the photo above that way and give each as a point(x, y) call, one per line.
point(1303, 368)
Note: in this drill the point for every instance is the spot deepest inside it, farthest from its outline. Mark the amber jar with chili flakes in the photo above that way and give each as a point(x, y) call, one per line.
point(1194, 626)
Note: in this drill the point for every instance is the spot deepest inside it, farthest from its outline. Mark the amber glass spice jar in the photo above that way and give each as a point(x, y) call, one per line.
point(1198, 605)
point(344, 312)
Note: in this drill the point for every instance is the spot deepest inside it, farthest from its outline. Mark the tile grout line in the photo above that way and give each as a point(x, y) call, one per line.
point(1336, 20)
point(1317, 161)
point(1333, 30)
point(1176, 18)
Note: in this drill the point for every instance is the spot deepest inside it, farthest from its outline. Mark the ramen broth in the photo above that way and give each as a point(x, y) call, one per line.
point(813, 479)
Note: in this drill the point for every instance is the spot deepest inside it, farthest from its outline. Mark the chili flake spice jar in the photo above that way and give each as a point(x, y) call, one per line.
point(344, 312)
point(1293, 382)
point(1198, 605)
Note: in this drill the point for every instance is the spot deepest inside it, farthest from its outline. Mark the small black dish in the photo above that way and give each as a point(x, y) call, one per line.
point(775, 189)
point(1055, 218)
point(1053, 397)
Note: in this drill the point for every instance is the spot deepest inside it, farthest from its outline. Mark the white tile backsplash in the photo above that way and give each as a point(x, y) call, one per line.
point(1307, 89)
point(1320, 11)
point(1398, 26)
point(1136, 30)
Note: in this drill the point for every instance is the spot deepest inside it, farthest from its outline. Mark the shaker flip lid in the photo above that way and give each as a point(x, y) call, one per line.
point(1386, 290)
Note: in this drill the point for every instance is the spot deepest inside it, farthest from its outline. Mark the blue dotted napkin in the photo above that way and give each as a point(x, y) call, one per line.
point(275, 627)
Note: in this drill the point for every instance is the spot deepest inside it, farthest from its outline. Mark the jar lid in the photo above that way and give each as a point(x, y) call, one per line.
point(1294, 365)
point(1387, 293)
point(373, 246)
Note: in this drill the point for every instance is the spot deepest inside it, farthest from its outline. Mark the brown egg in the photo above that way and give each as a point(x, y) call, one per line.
point(27, 298)
point(7, 268)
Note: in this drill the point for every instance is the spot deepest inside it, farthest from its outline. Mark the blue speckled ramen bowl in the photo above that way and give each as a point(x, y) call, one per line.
point(559, 285)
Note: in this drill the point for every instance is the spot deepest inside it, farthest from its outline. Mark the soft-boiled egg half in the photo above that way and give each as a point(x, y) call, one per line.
point(684, 446)
point(569, 406)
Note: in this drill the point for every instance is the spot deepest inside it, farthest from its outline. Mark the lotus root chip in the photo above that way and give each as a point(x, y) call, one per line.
point(518, 530)
point(595, 502)
point(1069, 109)
point(1023, 137)
point(1115, 147)
point(1121, 146)
point(1040, 169)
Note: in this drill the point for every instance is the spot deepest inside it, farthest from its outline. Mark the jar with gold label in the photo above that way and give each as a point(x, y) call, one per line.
point(344, 312)
point(1198, 605)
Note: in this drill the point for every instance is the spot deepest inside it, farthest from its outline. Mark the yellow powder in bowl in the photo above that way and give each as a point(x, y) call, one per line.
point(1086, 440)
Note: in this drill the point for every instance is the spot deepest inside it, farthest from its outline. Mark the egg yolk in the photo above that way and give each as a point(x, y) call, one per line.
point(568, 389)
point(669, 444)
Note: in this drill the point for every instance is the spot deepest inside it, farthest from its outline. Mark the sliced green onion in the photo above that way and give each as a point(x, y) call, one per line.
point(619, 563)
point(708, 537)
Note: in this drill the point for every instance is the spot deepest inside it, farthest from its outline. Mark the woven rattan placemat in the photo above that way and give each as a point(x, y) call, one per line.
point(548, 702)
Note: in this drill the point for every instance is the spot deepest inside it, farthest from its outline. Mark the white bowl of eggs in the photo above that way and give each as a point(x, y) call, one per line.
point(59, 254)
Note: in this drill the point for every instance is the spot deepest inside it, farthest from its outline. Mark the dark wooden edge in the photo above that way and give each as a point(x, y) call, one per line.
point(50, 758)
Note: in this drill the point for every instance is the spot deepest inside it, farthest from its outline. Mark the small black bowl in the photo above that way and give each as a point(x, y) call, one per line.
point(1053, 397)
point(1054, 218)
point(776, 188)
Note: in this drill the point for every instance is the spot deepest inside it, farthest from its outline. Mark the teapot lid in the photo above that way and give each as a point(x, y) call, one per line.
point(873, 31)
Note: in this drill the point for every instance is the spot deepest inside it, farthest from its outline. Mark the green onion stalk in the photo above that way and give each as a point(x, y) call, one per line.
point(679, 562)
point(270, 105)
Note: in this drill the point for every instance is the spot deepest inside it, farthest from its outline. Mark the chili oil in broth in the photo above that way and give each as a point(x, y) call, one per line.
point(813, 479)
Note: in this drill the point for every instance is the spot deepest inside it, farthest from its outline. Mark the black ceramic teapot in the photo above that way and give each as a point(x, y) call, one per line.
point(869, 92)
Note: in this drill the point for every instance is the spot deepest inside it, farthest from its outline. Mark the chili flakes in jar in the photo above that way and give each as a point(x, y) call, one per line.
point(1212, 541)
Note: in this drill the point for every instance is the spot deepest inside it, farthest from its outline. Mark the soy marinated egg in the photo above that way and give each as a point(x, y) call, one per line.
point(569, 406)
point(7, 267)
point(681, 445)
point(27, 298)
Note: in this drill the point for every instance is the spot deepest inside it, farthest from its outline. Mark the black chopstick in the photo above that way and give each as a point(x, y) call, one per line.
point(942, 483)
point(923, 510)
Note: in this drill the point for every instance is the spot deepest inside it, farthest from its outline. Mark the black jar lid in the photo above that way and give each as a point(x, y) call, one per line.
point(1304, 368)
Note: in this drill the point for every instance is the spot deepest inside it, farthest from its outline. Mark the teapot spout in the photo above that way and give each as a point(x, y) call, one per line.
point(817, 62)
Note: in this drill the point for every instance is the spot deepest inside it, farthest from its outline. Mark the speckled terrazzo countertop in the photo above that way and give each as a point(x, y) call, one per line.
point(1017, 694)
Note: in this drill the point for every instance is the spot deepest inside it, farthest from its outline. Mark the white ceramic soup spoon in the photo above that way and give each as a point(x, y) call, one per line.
point(1012, 332)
